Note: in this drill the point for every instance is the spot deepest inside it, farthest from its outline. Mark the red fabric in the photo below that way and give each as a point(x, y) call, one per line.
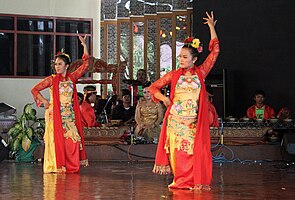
point(202, 143)
point(183, 176)
point(268, 112)
point(63, 187)
point(88, 115)
point(72, 155)
point(59, 139)
point(202, 158)
point(213, 116)
point(45, 83)
point(78, 120)
point(57, 125)
point(190, 195)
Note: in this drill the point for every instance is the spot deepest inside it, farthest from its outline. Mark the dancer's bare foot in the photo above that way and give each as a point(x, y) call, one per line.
point(202, 187)
point(198, 187)
point(206, 187)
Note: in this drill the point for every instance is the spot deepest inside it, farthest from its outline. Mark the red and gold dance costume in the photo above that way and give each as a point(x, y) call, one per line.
point(185, 134)
point(264, 112)
point(64, 137)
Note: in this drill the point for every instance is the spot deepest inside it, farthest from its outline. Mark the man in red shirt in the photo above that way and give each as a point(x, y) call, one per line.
point(260, 110)
point(87, 110)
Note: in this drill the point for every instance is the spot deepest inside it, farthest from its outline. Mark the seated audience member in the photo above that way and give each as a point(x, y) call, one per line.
point(80, 97)
point(148, 116)
point(284, 113)
point(260, 110)
point(124, 111)
point(87, 111)
point(213, 116)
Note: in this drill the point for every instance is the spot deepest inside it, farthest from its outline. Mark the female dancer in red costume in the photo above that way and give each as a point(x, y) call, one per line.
point(185, 135)
point(64, 138)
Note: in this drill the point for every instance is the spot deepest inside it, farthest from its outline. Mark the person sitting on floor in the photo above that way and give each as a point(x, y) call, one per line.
point(148, 116)
point(124, 111)
point(87, 111)
point(260, 110)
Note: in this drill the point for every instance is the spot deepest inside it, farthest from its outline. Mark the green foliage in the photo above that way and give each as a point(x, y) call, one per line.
point(26, 129)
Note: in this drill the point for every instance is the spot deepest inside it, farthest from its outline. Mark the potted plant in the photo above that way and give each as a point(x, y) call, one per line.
point(25, 134)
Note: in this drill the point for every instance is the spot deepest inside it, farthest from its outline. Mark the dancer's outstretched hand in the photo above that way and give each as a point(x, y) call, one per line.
point(82, 40)
point(209, 20)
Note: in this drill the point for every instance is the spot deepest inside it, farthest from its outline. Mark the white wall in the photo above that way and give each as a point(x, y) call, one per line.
point(17, 92)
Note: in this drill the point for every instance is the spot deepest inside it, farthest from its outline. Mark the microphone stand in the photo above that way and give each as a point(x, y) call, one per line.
point(104, 112)
point(131, 91)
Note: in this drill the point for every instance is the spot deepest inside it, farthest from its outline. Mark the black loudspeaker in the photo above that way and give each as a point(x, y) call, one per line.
point(289, 143)
point(4, 151)
point(218, 100)
point(217, 81)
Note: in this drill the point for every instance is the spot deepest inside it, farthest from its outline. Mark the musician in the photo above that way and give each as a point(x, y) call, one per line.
point(124, 111)
point(87, 110)
point(259, 110)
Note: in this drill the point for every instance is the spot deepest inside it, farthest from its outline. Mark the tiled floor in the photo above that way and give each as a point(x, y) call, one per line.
point(126, 180)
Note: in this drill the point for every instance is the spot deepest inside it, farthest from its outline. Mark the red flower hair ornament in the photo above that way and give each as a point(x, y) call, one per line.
point(194, 43)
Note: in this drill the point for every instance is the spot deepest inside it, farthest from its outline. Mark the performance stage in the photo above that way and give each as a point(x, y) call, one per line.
point(234, 142)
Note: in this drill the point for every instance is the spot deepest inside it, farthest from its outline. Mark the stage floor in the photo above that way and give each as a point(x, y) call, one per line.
point(134, 180)
point(146, 152)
